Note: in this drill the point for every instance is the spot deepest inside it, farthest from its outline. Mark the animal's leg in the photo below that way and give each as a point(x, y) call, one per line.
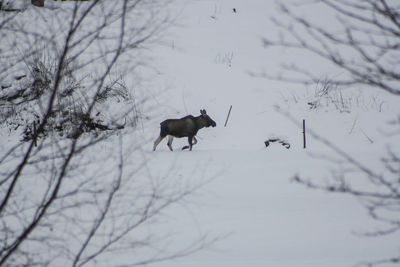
point(158, 140)
point(169, 144)
point(190, 139)
point(195, 142)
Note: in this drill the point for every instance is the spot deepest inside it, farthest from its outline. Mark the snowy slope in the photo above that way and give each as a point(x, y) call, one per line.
point(270, 221)
point(204, 61)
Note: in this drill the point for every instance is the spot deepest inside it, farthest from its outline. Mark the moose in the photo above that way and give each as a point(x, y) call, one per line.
point(184, 127)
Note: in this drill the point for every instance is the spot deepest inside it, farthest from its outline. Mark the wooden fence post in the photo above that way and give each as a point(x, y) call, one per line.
point(227, 118)
point(304, 133)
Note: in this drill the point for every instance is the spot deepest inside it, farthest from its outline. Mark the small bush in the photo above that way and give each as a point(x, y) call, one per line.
point(23, 103)
point(327, 95)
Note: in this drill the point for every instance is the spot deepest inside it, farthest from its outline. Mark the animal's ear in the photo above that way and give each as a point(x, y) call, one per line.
point(203, 112)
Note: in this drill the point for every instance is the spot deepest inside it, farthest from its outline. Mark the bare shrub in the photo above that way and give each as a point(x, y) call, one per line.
point(362, 44)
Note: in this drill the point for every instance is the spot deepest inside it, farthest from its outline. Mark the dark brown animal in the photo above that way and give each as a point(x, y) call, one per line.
point(184, 127)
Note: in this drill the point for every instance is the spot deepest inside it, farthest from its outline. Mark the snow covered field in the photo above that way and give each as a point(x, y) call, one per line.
point(206, 60)
point(270, 221)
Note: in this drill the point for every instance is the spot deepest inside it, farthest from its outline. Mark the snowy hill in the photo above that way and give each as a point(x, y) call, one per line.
point(209, 59)
point(270, 220)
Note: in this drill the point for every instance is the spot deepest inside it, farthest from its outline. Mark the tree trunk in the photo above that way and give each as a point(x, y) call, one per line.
point(39, 3)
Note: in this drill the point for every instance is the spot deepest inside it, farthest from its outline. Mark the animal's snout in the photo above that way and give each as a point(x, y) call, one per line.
point(212, 123)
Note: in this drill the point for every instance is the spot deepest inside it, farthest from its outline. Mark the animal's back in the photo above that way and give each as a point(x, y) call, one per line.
point(178, 127)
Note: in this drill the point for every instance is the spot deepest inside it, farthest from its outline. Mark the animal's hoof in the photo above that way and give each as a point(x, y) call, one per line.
point(185, 147)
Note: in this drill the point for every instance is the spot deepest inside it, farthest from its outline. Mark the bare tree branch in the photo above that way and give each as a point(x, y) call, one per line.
point(369, 33)
point(64, 200)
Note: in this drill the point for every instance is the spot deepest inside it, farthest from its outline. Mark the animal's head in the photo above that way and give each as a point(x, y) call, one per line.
point(208, 120)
